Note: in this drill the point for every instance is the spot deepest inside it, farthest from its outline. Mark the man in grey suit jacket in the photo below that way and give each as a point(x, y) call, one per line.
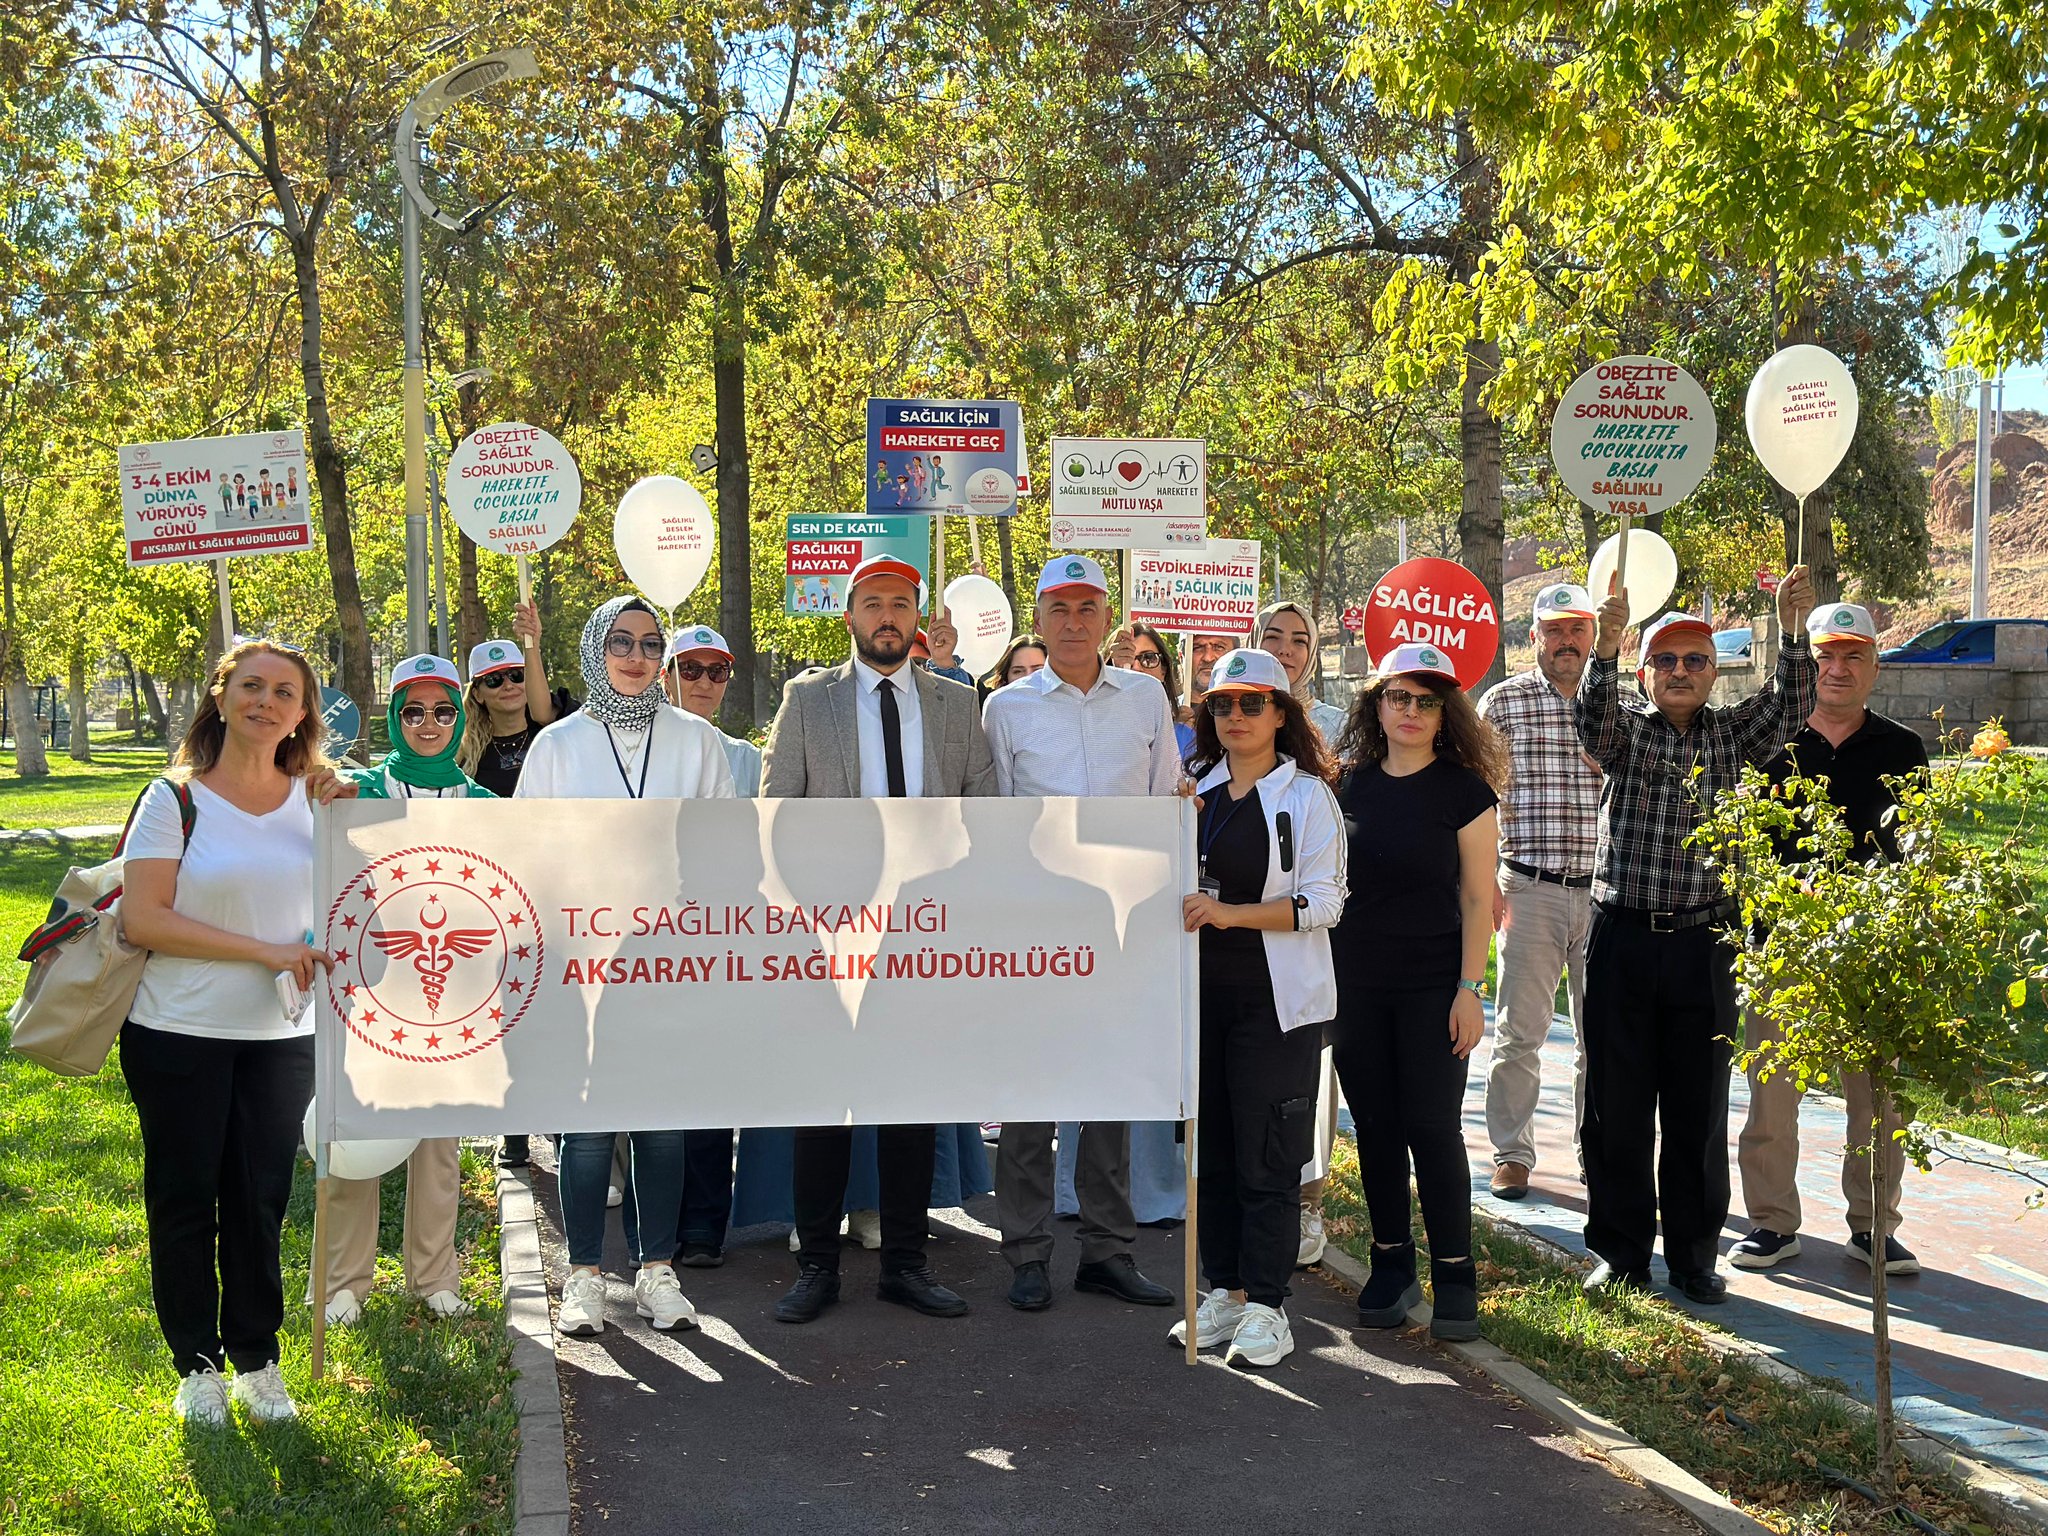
point(877, 726)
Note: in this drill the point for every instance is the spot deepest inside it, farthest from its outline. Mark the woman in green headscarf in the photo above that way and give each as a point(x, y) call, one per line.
point(425, 717)
point(425, 714)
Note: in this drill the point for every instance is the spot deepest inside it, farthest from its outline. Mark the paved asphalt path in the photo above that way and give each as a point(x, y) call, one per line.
point(1076, 1419)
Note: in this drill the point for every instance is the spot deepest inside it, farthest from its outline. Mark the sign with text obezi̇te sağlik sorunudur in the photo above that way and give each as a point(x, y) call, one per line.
point(512, 488)
point(207, 497)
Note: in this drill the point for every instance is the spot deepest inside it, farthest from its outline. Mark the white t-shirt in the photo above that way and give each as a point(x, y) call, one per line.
point(243, 874)
point(678, 757)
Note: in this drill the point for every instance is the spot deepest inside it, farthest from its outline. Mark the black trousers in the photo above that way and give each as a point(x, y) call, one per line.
point(1258, 1126)
point(220, 1133)
point(707, 1188)
point(1660, 1022)
point(905, 1154)
point(1406, 1089)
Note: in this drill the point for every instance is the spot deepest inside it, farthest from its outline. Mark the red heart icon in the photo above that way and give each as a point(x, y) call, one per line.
point(1130, 469)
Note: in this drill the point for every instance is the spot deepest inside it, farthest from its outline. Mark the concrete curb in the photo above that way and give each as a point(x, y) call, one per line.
point(1654, 1470)
point(540, 1496)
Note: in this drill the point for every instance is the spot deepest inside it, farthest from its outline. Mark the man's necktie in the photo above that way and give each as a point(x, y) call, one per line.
point(892, 739)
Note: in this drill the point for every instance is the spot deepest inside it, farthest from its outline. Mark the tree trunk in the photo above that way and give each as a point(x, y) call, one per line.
point(1880, 1300)
point(81, 731)
point(1007, 558)
point(159, 716)
point(729, 399)
point(332, 476)
point(1482, 524)
point(29, 759)
point(184, 705)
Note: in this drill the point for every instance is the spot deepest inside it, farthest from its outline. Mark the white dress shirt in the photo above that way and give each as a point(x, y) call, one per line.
point(1050, 738)
point(577, 758)
point(874, 760)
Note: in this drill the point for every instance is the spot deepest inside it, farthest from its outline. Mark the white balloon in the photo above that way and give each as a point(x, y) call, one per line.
point(359, 1159)
point(1652, 572)
point(1801, 410)
point(663, 536)
point(982, 615)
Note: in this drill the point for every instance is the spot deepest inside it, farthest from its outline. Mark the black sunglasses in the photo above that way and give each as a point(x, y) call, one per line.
point(691, 671)
point(415, 715)
point(503, 678)
point(619, 643)
point(1250, 705)
point(1670, 661)
point(1398, 700)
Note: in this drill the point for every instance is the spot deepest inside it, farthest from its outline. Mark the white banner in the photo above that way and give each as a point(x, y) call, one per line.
point(1212, 590)
point(590, 965)
point(1129, 493)
point(206, 497)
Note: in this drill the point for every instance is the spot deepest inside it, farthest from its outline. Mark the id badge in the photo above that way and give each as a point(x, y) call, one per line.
point(1209, 886)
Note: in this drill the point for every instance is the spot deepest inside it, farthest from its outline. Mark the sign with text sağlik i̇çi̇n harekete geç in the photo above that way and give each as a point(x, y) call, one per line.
point(207, 497)
point(946, 456)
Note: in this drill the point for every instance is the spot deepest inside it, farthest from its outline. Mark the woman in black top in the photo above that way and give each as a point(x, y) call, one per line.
point(1422, 776)
point(507, 704)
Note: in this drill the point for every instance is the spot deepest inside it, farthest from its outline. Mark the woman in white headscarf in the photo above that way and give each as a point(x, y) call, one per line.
point(626, 743)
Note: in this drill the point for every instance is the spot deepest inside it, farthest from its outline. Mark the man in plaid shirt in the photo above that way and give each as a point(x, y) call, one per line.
point(1660, 989)
point(1549, 816)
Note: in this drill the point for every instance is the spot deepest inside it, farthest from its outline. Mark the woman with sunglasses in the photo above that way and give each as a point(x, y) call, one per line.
point(1151, 655)
point(1272, 849)
point(508, 704)
point(1422, 775)
point(625, 743)
point(424, 715)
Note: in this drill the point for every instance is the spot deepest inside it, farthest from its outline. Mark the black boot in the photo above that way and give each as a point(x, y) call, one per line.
point(1454, 1306)
point(1392, 1288)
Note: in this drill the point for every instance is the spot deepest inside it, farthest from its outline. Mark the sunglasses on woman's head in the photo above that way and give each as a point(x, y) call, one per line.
point(691, 671)
point(415, 715)
point(1250, 705)
point(619, 643)
point(1399, 700)
point(503, 679)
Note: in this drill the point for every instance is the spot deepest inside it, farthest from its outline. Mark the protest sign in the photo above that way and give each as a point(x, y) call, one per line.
point(205, 498)
point(1440, 603)
point(513, 488)
point(821, 553)
point(751, 963)
point(1129, 493)
point(1213, 590)
point(663, 537)
point(945, 456)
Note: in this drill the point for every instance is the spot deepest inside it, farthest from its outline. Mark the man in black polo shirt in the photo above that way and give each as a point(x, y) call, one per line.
point(1660, 983)
point(1853, 750)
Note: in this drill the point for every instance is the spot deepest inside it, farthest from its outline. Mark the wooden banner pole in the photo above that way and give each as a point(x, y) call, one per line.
point(525, 568)
point(320, 1185)
point(1189, 1289)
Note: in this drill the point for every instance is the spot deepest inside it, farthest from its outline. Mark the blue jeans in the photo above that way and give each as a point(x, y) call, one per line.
point(654, 1193)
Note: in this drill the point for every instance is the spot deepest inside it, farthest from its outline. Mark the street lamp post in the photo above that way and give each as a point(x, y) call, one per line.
point(465, 80)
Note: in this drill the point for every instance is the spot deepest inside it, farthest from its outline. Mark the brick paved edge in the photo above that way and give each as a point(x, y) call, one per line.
point(540, 1497)
point(1654, 1470)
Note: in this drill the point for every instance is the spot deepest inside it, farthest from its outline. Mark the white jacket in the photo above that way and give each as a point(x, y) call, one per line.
point(1307, 856)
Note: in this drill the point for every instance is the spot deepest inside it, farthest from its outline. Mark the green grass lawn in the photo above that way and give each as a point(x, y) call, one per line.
point(99, 793)
point(414, 1429)
point(1647, 1367)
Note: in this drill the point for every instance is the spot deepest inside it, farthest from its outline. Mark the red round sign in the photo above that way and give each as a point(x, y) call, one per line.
point(1354, 619)
point(1440, 603)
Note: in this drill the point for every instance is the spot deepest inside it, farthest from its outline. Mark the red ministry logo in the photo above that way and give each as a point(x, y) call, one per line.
point(436, 954)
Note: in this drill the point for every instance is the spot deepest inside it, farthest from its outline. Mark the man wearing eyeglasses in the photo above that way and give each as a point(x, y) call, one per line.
point(1660, 988)
point(1549, 823)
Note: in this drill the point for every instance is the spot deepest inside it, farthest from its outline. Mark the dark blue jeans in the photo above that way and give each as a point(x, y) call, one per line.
point(707, 1187)
point(654, 1194)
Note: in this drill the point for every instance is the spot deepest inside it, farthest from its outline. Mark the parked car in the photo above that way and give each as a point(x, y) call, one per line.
point(1958, 640)
point(1731, 646)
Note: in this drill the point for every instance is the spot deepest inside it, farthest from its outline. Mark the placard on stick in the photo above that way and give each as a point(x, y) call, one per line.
point(514, 489)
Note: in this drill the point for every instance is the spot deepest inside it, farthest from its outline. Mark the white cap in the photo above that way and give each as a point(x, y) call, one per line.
point(1675, 623)
point(1071, 571)
point(1245, 670)
point(698, 637)
point(1841, 621)
point(493, 656)
point(1564, 600)
point(424, 669)
point(1416, 657)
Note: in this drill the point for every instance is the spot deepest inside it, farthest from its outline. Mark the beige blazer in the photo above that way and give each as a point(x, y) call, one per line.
point(814, 744)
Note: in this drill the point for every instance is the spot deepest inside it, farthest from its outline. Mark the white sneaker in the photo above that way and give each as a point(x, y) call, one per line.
point(865, 1228)
point(1263, 1338)
point(203, 1399)
point(448, 1304)
point(658, 1297)
point(343, 1309)
point(1312, 1240)
point(796, 1241)
point(263, 1395)
point(1216, 1320)
point(582, 1304)
point(614, 1197)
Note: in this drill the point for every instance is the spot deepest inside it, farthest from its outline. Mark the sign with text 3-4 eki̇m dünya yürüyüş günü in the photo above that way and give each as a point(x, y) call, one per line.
point(1213, 590)
point(1129, 493)
point(821, 552)
point(751, 963)
point(207, 497)
point(946, 456)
